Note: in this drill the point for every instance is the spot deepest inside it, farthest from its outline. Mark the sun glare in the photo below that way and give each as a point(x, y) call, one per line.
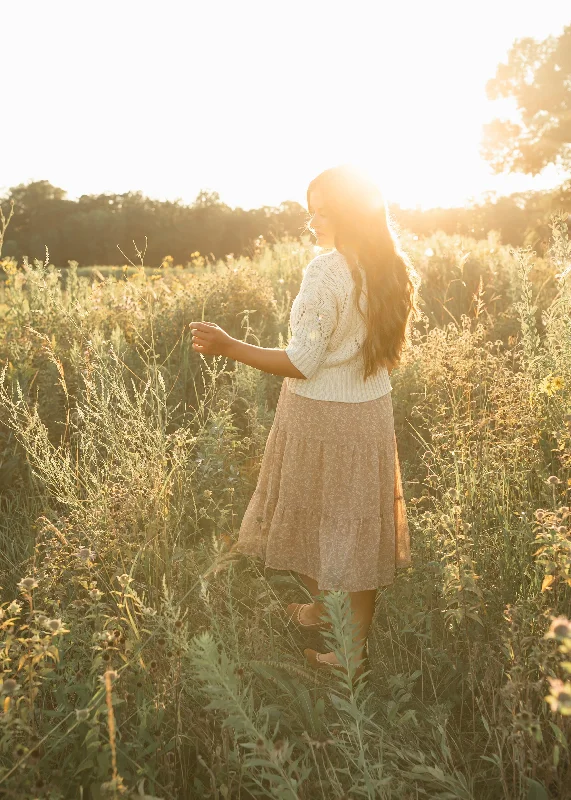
point(398, 90)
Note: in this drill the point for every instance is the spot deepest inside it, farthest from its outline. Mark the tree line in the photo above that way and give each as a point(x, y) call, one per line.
point(91, 230)
point(94, 229)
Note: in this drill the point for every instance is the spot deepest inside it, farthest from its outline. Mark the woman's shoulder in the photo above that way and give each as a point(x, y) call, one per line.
point(331, 265)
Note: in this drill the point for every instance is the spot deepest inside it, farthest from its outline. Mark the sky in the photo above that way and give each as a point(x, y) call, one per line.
point(253, 99)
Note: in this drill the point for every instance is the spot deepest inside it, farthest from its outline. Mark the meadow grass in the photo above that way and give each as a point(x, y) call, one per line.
point(141, 657)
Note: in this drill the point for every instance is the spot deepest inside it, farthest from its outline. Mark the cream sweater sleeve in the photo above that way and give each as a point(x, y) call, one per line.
point(313, 318)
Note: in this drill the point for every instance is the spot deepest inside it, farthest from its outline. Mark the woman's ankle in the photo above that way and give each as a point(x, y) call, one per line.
point(318, 607)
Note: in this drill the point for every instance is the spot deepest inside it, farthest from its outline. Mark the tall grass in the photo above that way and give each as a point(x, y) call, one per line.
point(143, 658)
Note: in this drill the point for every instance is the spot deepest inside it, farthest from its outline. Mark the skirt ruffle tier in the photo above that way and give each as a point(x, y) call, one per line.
point(329, 500)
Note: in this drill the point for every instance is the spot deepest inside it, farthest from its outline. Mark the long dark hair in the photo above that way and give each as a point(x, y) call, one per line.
point(366, 236)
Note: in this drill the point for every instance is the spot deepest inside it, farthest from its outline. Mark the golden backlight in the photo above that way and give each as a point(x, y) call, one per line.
point(253, 99)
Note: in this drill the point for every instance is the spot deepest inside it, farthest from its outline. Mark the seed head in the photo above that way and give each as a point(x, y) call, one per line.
point(9, 686)
point(124, 580)
point(560, 696)
point(85, 554)
point(553, 479)
point(560, 628)
point(27, 584)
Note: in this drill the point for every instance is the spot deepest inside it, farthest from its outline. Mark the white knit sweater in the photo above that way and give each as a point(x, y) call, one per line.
point(327, 335)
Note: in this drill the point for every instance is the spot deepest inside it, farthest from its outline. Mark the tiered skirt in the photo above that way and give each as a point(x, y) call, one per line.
point(329, 498)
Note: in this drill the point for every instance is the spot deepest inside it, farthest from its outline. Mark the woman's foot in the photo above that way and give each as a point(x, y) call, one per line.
point(311, 614)
point(329, 660)
point(307, 616)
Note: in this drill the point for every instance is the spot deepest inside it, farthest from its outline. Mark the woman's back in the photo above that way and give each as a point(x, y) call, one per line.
point(328, 335)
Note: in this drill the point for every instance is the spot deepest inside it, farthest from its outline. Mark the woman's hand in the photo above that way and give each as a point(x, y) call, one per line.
point(210, 339)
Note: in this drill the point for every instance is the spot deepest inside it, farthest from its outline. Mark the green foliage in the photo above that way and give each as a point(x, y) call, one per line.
point(142, 658)
point(538, 76)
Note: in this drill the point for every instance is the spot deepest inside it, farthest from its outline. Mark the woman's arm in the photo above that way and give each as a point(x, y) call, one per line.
point(211, 340)
point(268, 359)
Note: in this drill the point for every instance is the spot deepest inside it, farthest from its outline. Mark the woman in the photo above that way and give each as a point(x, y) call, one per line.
point(328, 502)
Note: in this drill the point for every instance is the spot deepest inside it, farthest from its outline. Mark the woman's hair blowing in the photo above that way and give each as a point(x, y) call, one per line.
point(364, 234)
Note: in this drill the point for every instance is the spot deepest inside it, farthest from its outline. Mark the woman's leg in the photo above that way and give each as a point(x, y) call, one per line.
point(362, 606)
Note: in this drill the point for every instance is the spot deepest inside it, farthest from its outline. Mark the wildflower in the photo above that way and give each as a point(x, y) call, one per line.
point(207, 493)
point(85, 554)
point(279, 750)
point(551, 384)
point(14, 608)
point(19, 751)
point(82, 714)
point(9, 686)
point(148, 612)
point(562, 529)
point(95, 594)
point(553, 479)
point(560, 628)
point(539, 514)
point(55, 626)
point(27, 584)
point(319, 742)
point(124, 580)
point(560, 696)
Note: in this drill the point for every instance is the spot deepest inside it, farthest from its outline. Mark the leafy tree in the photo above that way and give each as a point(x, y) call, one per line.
point(538, 76)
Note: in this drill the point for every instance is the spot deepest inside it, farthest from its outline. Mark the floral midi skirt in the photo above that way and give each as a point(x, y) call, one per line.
point(329, 500)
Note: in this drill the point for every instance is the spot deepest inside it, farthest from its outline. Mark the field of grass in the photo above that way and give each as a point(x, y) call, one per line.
point(141, 658)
